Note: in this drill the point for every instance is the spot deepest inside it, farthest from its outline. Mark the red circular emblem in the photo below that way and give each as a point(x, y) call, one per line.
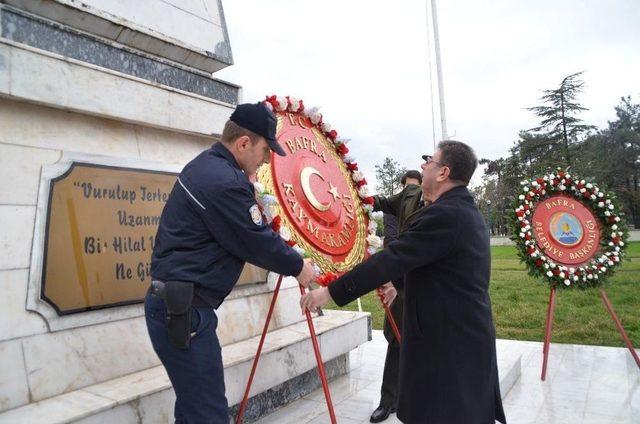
point(314, 189)
point(565, 230)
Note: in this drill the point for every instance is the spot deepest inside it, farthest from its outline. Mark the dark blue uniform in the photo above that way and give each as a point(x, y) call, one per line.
point(209, 228)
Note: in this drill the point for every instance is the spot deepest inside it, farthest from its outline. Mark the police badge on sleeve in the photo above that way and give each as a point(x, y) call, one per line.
point(256, 215)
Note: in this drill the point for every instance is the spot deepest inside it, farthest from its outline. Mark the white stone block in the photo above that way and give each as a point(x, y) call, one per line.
point(69, 360)
point(344, 338)
point(168, 146)
point(197, 114)
point(153, 409)
point(88, 89)
point(77, 404)
point(15, 320)
point(16, 233)
point(14, 390)
point(274, 368)
point(184, 21)
point(244, 317)
point(20, 169)
point(39, 126)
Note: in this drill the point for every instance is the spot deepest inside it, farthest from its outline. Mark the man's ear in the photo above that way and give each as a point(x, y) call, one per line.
point(444, 173)
point(242, 143)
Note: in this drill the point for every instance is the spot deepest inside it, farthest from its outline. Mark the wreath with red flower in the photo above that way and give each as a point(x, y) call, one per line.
point(268, 202)
point(604, 206)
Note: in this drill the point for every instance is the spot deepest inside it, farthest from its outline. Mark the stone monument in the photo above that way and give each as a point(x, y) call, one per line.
point(101, 104)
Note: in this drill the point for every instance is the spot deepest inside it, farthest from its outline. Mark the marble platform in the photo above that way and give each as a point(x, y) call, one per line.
point(147, 397)
point(585, 385)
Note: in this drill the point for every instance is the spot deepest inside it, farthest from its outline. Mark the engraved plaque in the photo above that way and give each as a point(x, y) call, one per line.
point(101, 225)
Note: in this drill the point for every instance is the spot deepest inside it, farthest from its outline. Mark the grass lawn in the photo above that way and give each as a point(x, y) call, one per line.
point(520, 304)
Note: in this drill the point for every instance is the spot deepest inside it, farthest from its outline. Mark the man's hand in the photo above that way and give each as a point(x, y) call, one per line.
point(387, 293)
point(315, 299)
point(307, 274)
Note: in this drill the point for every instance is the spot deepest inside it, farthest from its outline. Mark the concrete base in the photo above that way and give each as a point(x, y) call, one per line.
point(285, 372)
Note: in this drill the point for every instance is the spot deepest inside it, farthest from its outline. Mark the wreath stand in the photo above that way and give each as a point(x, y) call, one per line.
point(549, 326)
point(316, 350)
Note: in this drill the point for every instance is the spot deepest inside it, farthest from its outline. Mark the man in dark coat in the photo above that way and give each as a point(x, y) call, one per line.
point(398, 209)
point(448, 368)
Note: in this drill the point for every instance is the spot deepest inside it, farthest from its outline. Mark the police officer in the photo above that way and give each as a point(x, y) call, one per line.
point(210, 226)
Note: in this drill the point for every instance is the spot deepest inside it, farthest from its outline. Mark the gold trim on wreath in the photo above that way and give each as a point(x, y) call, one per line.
point(356, 255)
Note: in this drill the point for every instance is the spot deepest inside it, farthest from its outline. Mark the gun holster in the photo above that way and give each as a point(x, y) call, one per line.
point(178, 297)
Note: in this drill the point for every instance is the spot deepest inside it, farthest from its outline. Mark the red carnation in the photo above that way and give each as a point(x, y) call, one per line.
point(275, 224)
point(526, 207)
point(352, 166)
point(540, 181)
point(301, 108)
point(539, 263)
point(361, 183)
point(291, 243)
point(342, 149)
point(561, 174)
point(368, 200)
point(612, 219)
point(272, 100)
point(555, 271)
point(531, 250)
point(333, 134)
point(615, 240)
point(586, 194)
point(527, 237)
point(520, 213)
point(528, 197)
point(325, 279)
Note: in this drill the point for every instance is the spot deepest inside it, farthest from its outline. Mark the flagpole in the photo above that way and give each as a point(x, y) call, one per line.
point(436, 40)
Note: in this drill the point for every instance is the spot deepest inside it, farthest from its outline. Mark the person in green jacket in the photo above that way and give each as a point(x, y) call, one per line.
point(398, 209)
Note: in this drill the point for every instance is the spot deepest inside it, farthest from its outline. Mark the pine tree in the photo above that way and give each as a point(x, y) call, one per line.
point(560, 124)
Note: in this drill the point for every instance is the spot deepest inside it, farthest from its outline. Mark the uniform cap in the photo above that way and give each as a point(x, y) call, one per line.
point(256, 118)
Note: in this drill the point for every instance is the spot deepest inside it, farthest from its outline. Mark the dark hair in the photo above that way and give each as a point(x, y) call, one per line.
point(411, 174)
point(233, 131)
point(460, 159)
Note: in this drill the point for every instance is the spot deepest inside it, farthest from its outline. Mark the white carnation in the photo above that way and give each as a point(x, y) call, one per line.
point(282, 103)
point(259, 188)
point(373, 226)
point(374, 241)
point(357, 176)
point(314, 115)
point(363, 191)
point(295, 104)
point(285, 233)
point(326, 127)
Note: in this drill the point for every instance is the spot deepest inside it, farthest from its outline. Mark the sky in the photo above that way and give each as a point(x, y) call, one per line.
point(366, 65)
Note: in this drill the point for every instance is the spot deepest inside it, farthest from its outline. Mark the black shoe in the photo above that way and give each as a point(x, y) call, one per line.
point(381, 413)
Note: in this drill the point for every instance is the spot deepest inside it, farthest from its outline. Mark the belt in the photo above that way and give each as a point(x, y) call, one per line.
point(157, 289)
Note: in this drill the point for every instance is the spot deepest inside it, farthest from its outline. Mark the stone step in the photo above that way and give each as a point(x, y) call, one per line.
point(147, 397)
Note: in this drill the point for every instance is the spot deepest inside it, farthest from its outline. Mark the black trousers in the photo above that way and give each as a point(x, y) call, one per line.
point(390, 376)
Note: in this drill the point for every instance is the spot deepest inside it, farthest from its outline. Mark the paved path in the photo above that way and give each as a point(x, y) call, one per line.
point(585, 385)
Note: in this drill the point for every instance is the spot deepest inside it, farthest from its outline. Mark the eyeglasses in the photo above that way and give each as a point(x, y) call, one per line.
point(428, 159)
